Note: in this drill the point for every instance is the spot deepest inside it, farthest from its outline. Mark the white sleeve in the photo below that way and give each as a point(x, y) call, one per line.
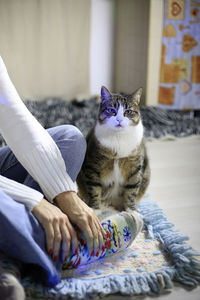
point(19, 192)
point(29, 141)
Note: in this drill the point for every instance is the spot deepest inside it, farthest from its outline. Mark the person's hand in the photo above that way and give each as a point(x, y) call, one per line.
point(81, 215)
point(57, 228)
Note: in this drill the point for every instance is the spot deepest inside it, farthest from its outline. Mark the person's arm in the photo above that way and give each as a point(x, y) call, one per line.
point(30, 142)
point(21, 193)
point(40, 156)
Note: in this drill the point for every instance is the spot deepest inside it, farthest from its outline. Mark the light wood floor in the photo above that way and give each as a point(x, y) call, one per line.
point(175, 185)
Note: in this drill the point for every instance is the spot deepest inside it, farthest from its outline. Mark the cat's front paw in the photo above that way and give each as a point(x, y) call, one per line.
point(130, 209)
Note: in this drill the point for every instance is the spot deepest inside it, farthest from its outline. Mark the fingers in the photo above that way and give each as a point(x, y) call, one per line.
point(65, 233)
point(57, 238)
point(69, 239)
point(57, 229)
point(74, 237)
point(49, 232)
point(89, 238)
point(81, 215)
point(95, 234)
point(66, 242)
point(101, 228)
point(101, 236)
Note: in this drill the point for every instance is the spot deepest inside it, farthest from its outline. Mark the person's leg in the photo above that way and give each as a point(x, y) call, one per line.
point(10, 287)
point(23, 238)
point(69, 140)
point(10, 167)
point(72, 146)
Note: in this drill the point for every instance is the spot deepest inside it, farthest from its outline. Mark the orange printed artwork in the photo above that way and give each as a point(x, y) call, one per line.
point(195, 3)
point(194, 12)
point(184, 66)
point(163, 55)
point(185, 86)
point(188, 43)
point(181, 27)
point(175, 9)
point(169, 73)
point(166, 95)
point(169, 31)
point(195, 74)
point(180, 57)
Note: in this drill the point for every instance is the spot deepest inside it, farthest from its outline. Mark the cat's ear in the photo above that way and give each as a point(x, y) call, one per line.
point(105, 94)
point(136, 96)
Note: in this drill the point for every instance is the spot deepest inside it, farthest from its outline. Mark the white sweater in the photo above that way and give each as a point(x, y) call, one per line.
point(33, 147)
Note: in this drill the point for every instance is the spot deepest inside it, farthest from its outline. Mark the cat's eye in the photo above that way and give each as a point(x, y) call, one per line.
point(111, 111)
point(130, 112)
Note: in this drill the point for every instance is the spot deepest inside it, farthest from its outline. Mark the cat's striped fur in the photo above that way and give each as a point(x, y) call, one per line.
point(116, 167)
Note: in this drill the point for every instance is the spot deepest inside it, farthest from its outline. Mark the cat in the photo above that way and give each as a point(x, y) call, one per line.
point(116, 168)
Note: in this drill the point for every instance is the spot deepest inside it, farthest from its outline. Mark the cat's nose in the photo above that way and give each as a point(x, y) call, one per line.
point(119, 119)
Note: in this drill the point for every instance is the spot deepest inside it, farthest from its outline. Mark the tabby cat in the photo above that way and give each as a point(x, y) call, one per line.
point(116, 167)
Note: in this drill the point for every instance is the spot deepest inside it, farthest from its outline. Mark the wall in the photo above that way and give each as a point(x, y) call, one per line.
point(131, 45)
point(45, 45)
point(68, 48)
point(101, 45)
point(154, 50)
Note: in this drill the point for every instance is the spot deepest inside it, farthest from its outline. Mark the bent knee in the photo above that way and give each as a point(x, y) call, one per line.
point(76, 135)
point(67, 132)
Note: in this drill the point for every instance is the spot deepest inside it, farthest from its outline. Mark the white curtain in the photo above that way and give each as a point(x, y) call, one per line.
point(45, 45)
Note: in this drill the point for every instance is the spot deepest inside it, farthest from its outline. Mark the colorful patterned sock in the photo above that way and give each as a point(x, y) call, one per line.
point(121, 229)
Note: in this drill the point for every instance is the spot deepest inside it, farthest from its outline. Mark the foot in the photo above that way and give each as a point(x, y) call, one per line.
point(10, 287)
point(137, 219)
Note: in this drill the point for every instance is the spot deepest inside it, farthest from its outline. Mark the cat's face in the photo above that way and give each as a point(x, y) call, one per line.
point(118, 112)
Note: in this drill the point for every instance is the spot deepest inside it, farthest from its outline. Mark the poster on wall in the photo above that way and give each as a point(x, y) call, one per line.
point(179, 86)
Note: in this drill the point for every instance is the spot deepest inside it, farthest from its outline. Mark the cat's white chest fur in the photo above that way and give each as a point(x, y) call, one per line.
point(122, 141)
point(113, 181)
